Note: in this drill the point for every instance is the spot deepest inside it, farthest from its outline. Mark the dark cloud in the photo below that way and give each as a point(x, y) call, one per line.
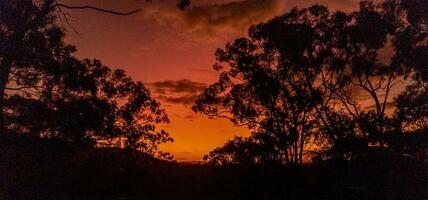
point(186, 99)
point(234, 15)
point(190, 116)
point(177, 92)
point(183, 85)
point(211, 20)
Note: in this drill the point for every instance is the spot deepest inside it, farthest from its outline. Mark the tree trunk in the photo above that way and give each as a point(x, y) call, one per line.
point(11, 51)
point(302, 143)
point(296, 151)
point(6, 65)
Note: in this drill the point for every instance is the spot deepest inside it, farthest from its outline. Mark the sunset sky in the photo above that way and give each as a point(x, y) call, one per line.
point(172, 52)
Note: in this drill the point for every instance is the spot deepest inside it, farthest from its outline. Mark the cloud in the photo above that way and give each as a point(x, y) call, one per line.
point(177, 92)
point(219, 17)
point(186, 99)
point(234, 16)
point(183, 85)
point(206, 22)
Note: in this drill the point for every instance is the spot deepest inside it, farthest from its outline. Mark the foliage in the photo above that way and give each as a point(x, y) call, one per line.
point(48, 92)
point(297, 79)
point(271, 80)
point(88, 101)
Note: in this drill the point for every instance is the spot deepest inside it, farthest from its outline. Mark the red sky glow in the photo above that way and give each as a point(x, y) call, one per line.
point(172, 52)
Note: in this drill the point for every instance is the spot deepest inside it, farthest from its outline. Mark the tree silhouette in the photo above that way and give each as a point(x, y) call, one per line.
point(182, 4)
point(411, 115)
point(279, 81)
point(30, 41)
point(295, 79)
point(370, 31)
point(387, 45)
point(26, 31)
point(46, 91)
point(242, 151)
point(412, 107)
point(86, 101)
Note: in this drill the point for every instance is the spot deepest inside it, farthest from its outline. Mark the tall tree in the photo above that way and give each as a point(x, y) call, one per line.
point(280, 81)
point(26, 29)
point(387, 43)
point(295, 76)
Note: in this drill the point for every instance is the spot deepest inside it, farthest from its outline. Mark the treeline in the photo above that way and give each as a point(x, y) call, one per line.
point(311, 84)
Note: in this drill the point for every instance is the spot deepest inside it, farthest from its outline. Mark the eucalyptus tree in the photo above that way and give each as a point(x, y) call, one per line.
point(280, 81)
point(295, 78)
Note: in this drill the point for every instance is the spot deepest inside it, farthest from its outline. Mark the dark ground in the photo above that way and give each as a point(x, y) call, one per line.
point(33, 168)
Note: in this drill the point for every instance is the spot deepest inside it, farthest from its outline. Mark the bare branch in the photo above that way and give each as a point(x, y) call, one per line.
point(98, 9)
point(66, 20)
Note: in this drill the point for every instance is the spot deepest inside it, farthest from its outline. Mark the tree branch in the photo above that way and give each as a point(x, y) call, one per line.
point(98, 9)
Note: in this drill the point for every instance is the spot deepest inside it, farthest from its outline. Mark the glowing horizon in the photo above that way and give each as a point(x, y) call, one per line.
point(172, 52)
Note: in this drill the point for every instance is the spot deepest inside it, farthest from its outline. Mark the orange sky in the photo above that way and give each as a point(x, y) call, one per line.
point(172, 52)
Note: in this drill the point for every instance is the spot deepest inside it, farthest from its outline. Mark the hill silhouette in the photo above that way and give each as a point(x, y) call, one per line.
point(35, 168)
